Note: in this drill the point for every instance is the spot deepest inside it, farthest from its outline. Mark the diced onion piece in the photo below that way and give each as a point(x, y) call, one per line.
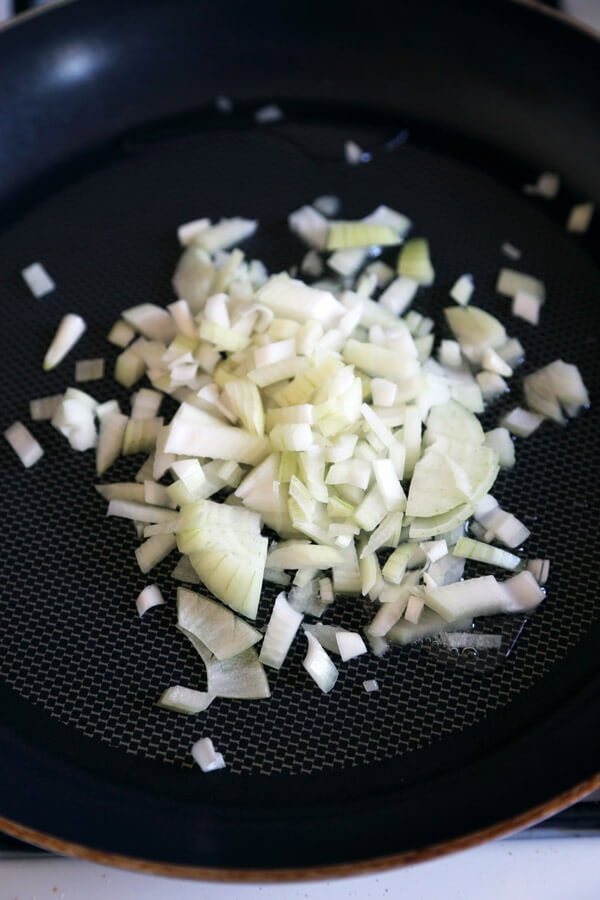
point(526, 306)
point(151, 321)
point(558, 384)
point(449, 354)
point(24, 444)
point(129, 367)
point(507, 529)
point(499, 439)
point(484, 597)
point(510, 282)
point(190, 230)
point(491, 385)
point(414, 261)
point(44, 408)
point(495, 364)
point(414, 609)
point(110, 440)
point(540, 569)
point(139, 512)
point(121, 334)
point(226, 233)
point(474, 327)
point(310, 225)
point(547, 185)
point(370, 685)
point(434, 550)
point(140, 435)
point(37, 280)
point(524, 592)
point(223, 633)
point(291, 298)
point(462, 290)
point(312, 264)
point(328, 204)
point(145, 403)
point(205, 755)
point(510, 250)
point(580, 218)
point(512, 352)
point(89, 369)
point(319, 665)
point(149, 597)
point(354, 154)
point(297, 555)
point(280, 633)
point(385, 215)
point(345, 235)
point(153, 550)
point(398, 296)
point(184, 700)
point(521, 422)
point(68, 333)
point(350, 644)
point(469, 640)
point(347, 262)
point(482, 552)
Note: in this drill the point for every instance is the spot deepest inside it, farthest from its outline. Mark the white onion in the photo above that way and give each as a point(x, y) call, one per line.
point(37, 279)
point(24, 444)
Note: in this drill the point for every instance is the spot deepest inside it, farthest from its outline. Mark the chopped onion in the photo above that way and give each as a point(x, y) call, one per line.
point(547, 185)
point(355, 154)
point(69, 331)
point(510, 250)
point(526, 306)
point(510, 282)
point(580, 218)
point(24, 444)
point(350, 644)
point(121, 334)
point(280, 633)
point(414, 261)
point(37, 279)
point(205, 755)
point(462, 290)
point(319, 665)
point(370, 685)
point(318, 411)
point(521, 422)
point(149, 597)
point(89, 369)
point(469, 640)
point(184, 700)
point(45, 407)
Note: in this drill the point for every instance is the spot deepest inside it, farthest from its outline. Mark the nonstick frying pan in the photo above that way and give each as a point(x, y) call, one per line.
point(110, 138)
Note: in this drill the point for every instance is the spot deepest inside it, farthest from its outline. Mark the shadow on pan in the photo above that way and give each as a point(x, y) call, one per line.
point(110, 140)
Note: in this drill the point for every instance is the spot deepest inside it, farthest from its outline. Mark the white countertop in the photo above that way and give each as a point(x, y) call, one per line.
point(532, 869)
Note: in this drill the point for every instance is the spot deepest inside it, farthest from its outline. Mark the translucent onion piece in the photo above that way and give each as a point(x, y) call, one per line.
point(37, 280)
point(24, 444)
point(205, 755)
point(319, 665)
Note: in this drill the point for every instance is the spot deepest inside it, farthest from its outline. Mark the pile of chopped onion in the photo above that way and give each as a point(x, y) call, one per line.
point(319, 412)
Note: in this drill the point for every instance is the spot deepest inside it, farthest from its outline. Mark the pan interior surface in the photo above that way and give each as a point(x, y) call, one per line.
point(73, 647)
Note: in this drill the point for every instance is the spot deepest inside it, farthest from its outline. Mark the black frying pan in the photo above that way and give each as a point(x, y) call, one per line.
point(110, 139)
